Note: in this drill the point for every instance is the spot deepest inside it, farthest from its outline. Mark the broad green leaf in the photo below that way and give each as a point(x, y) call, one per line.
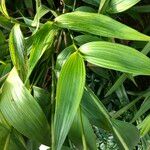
point(145, 126)
point(22, 111)
point(99, 116)
point(81, 127)
point(116, 6)
point(99, 25)
point(17, 51)
point(42, 40)
point(122, 132)
point(68, 96)
point(9, 140)
point(117, 57)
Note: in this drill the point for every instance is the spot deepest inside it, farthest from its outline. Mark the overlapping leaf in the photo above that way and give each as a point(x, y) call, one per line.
point(42, 40)
point(68, 96)
point(116, 6)
point(99, 25)
point(117, 57)
point(99, 116)
point(22, 111)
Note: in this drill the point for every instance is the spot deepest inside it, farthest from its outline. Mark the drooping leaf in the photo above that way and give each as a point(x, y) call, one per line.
point(3, 8)
point(116, 6)
point(117, 57)
point(22, 111)
point(99, 25)
point(42, 40)
point(99, 116)
point(17, 51)
point(68, 96)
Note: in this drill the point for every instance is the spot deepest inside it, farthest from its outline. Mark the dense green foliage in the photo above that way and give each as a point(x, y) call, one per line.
point(74, 74)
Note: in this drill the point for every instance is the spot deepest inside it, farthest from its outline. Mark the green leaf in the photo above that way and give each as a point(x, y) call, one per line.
point(62, 57)
point(82, 127)
point(3, 8)
point(9, 139)
point(42, 40)
point(117, 57)
point(5, 23)
point(141, 9)
point(22, 111)
point(68, 96)
point(17, 51)
point(99, 116)
point(116, 6)
point(99, 25)
point(144, 108)
point(144, 126)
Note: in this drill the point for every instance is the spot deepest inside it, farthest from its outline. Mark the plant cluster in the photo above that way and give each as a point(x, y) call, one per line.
point(74, 74)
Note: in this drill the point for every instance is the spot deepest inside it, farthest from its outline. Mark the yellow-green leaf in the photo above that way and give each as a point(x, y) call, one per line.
point(68, 96)
point(22, 111)
point(117, 57)
point(99, 25)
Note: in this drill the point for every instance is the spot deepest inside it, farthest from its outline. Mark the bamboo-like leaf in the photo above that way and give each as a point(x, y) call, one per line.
point(68, 96)
point(99, 25)
point(9, 140)
point(17, 51)
point(3, 8)
point(144, 108)
point(99, 116)
point(82, 127)
point(42, 40)
point(117, 57)
point(117, 6)
point(145, 126)
point(22, 111)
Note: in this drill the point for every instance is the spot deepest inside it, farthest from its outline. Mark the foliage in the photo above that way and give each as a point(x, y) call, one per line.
point(74, 74)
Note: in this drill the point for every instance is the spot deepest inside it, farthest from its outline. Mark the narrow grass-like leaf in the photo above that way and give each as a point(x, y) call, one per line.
point(17, 51)
point(68, 96)
point(117, 57)
point(144, 108)
point(99, 25)
point(145, 126)
point(22, 111)
point(99, 116)
point(117, 6)
point(42, 40)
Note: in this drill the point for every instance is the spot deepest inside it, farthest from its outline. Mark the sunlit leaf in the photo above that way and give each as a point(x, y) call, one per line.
point(99, 25)
point(68, 96)
point(22, 111)
point(117, 57)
